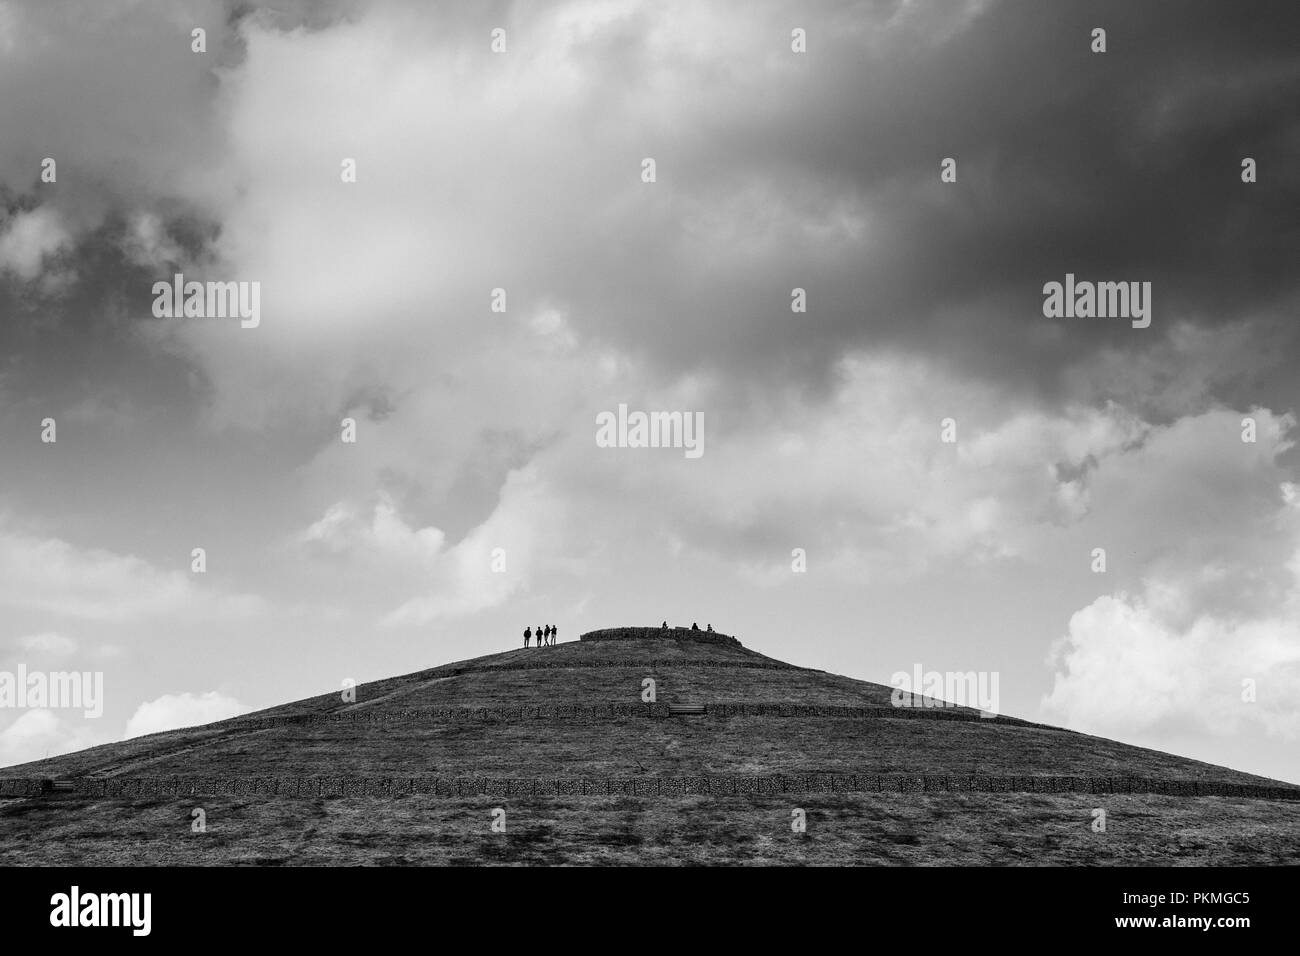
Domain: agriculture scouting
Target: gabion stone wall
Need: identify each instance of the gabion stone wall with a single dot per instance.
(651, 787)
(621, 710)
(641, 633)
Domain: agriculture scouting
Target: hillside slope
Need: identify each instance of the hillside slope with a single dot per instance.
(586, 771)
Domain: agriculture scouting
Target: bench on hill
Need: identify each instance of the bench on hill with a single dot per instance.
(686, 710)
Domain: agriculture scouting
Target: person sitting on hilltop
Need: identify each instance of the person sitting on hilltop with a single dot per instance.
(710, 628)
(528, 635)
(663, 626)
(694, 626)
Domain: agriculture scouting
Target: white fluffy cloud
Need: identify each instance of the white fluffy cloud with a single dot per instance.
(28, 238)
(1217, 603)
(172, 711)
(1126, 669)
(429, 579)
(37, 734)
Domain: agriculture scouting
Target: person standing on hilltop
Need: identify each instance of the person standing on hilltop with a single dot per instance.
(528, 635)
(539, 635)
(554, 631)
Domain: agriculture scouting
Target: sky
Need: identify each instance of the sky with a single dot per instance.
(476, 500)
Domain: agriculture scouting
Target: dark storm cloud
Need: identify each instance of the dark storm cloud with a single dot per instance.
(1116, 166)
(820, 171)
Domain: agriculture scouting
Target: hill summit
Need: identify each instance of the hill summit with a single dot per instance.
(634, 745)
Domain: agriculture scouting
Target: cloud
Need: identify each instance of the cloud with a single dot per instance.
(379, 282)
(147, 244)
(27, 239)
(56, 577)
(1216, 536)
(37, 734)
(1125, 669)
(861, 477)
(439, 580)
(383, 538)
(85, 91)
(48, 644)
(173, 711)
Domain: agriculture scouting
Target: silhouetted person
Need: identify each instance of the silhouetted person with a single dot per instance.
(528, 635)
(554, 632)
(539, 635)
(694, 626)
(710, 628)
(548, 633)
(663, 626)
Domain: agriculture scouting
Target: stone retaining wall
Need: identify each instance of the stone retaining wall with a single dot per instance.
(541, 662)
(617, 710)
(643, 633)
(390, 786)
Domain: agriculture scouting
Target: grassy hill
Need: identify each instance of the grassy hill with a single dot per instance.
(587, 772)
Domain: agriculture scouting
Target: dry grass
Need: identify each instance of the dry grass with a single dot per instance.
(874, 829)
